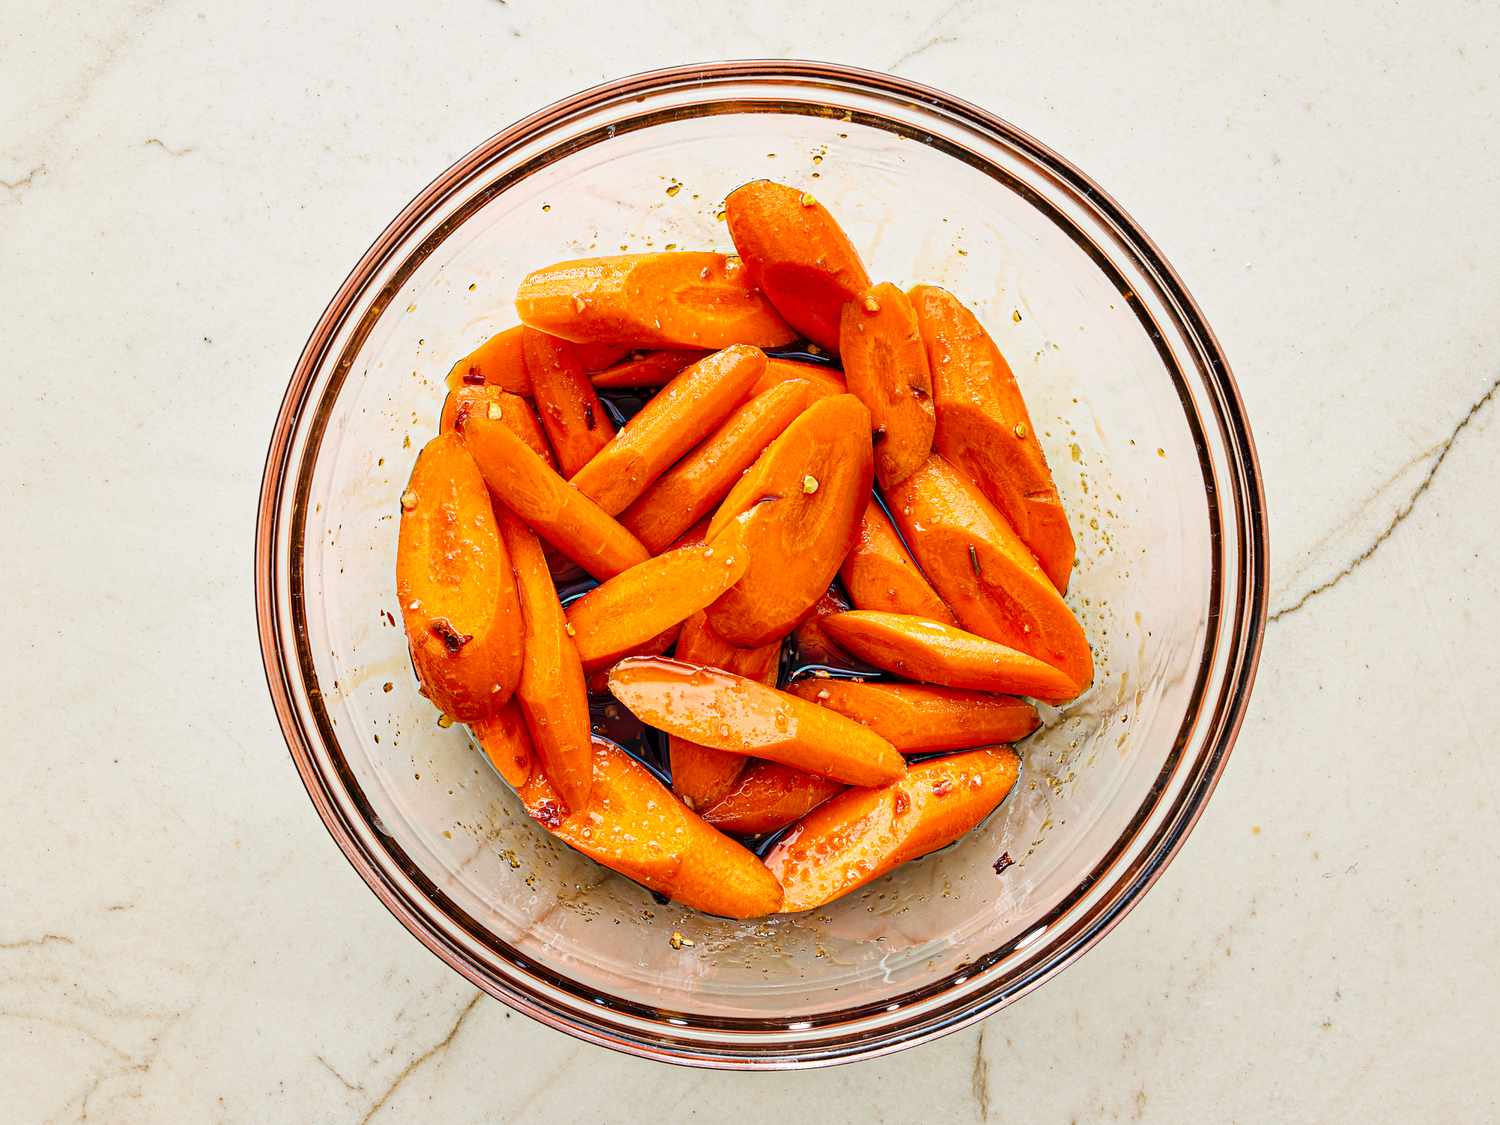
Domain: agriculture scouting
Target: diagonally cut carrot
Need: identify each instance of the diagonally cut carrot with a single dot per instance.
(558, 512)
(686, 409)
(885, 364)
(600, 357)
(496, 403)
(811, 645)
(506, 742)
(729, 712)
(687, 299)
(453, 576)
(499, 362)
(577, 425)
(768, 796)
(879, 573)
(649, 369)
(825, 380)
(916, 719)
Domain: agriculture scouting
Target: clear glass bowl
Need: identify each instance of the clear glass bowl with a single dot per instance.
(1144, 429)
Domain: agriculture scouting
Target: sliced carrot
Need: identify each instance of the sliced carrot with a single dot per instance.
(862, 834)
(576, 423)
(811, 645)
(453, 576)
(688, 299)
(499, 362)
(916, 719)
(983, 571)
(557, 511)
(515, 411)
(504, 739)
(600, 357)
(879, 573)
(633, 825)
(551, 692)
(797, 254)
(807, 491)
(825, 380)
(638, 604)
(649, 369)
(983, 428)
(768, 796)
(885, 364)
(729, 712)
(934, 653)
(688, 491)
(686, 410)
(597, 680)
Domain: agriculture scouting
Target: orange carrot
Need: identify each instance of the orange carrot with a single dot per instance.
(688, 491)
(797, 254)
(597, 680)
(807, 491)
(812, 645)
(729, 712)
(885, 364)
(983, 570)
(880, 574)
(453, 576)
(825, 380)
(494, 402)
(768, 796)
(504, 739)
(576, 424)
(600, 357)
(649, 369)
(559, 513)
(935, 653)
(634, 825)
(552, 693)
(917, 719)
(686, 409)
(984, 430)
(861, 834)
(498, 362)
(686, 299)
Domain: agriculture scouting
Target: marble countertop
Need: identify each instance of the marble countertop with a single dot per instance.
(182, 186)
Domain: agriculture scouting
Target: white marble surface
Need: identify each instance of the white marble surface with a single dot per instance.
(184, 185)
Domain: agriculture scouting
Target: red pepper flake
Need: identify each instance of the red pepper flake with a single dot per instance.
(461, 416)
(474, 377)
(877, 435)
(588, 415)
(547, 814)
(900, 802)
(1003, 862)
(942, 788)
(443, 630)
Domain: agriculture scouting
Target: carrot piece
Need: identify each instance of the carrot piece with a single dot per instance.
(688, 491)
(879, 573)
(687, 299)
(453, 576)
(702, 774)
(551, 692)
(807, 491)
(768, 796)
(983, 571)
(728, 712)
(917, 719)
(598, 679)
(811, 645)
(650, 369)
(576, 424)
(504, 739)
(558, 512)
(797, 254)
(600, 357)
(687, 409)
(633, 825)
(825, 380)
(515, 411)
(498, 362)
(861, 834)
(638, 604)
(935, 653)
(885, 364)
(984, 430)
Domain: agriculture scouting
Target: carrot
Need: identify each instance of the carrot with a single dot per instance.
(650, 369)
(879, 573)
(638, 604)
(633, 825)
(600, 357)
(510, 408)
(983, 571)
(499, 362)
(702, 774)
(807, 491)
(688, 491)
(552, 693)
(825, 380)
(811, 645)
(797, 254)
(597, 680)
(576, 424)
(503, 737)
(688, 299)
(768, 796)
(984, 430)
(453, 576)
(729, 712)
(885, 364)
(918, 719)
(559, 513)
(686, 410)
(934, 653)
(859, 835)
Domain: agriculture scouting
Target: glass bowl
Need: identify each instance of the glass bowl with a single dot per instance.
(1145, 432)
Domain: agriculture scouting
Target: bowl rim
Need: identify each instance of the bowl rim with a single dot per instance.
(1243, 645)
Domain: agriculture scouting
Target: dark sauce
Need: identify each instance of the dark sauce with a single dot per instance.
(800, 353)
